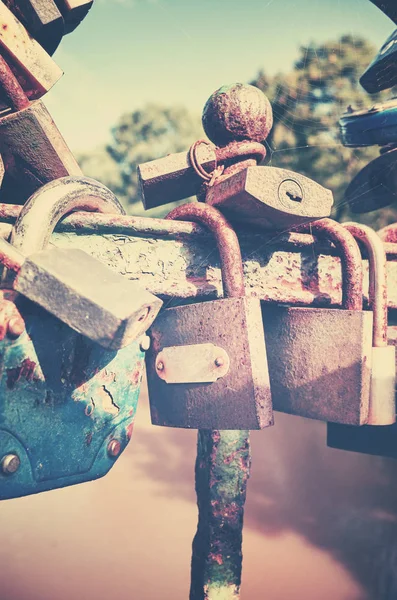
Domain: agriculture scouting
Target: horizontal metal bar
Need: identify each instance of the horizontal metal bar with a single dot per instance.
(179, 260)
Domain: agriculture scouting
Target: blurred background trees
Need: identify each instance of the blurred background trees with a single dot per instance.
(307, 104)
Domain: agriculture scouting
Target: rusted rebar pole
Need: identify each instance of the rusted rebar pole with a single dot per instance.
(222, 471)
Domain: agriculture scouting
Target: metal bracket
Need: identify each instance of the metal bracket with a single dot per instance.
(196, 363)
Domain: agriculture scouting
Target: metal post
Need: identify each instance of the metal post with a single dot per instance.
(222, 471)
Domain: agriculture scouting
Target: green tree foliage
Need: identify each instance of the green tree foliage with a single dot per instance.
(307, 104)
(138, 137)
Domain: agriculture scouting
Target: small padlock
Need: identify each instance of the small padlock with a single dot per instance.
(70, 284)
(374, 438)
(320, 358)
(35, 69)
(237, 119)
(33, 150)
(42, 19)
(207, 365)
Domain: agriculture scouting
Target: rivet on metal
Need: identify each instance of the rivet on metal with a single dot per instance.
(160, 366)
(219, 362)
(114, 448)
(16, 327)
(10, 464)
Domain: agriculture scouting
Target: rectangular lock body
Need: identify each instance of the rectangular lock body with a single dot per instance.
(88, 296)
(270, 198)
(374, 440)
(38, 72)
(33, 149)
(240, 399)
(42, 19)
(379, 440)
(320, 362)
(173, 178)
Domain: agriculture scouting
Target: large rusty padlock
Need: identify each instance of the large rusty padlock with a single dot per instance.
(320, 358)
(67, 405)
(379, 437)
(207, 365)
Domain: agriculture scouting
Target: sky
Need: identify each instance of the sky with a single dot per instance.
(128, 53)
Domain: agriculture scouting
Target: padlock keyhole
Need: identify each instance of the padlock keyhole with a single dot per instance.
(294, 197)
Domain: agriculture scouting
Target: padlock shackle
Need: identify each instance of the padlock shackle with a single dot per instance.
(377, 278)
(352, 282)
(11, 87)
(44, 209)
(388, 234)
(226, 239)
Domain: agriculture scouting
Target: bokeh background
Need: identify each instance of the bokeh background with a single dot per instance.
(319, 523)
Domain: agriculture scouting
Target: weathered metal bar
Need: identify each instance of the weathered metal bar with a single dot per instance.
(222, 472)
(180, 260)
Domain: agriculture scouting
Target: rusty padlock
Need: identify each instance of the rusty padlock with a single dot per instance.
(320, 358)
(42, 19)
(237, 119)
(379, 437)
(67, 405)
(382, 409)
(33, 150)
(35, 69)
(207, 364)
(70, 284)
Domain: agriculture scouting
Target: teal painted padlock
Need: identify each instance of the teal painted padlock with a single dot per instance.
(67, 404)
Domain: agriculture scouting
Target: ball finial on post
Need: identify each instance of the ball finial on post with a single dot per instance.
(237, 112)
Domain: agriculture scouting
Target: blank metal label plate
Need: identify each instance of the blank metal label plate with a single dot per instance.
(197, 363)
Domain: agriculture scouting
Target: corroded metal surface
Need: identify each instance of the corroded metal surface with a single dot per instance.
(11, 87)
(180, 260)
(226, 240)
(222, 471)
(270, 198)
(223, 458)
(42, 19)
(377, 278)
(352, 284)
(33, 150)
(62, 403)
(237, 112)
(323, 353)
(80, 290)
(241, 398)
